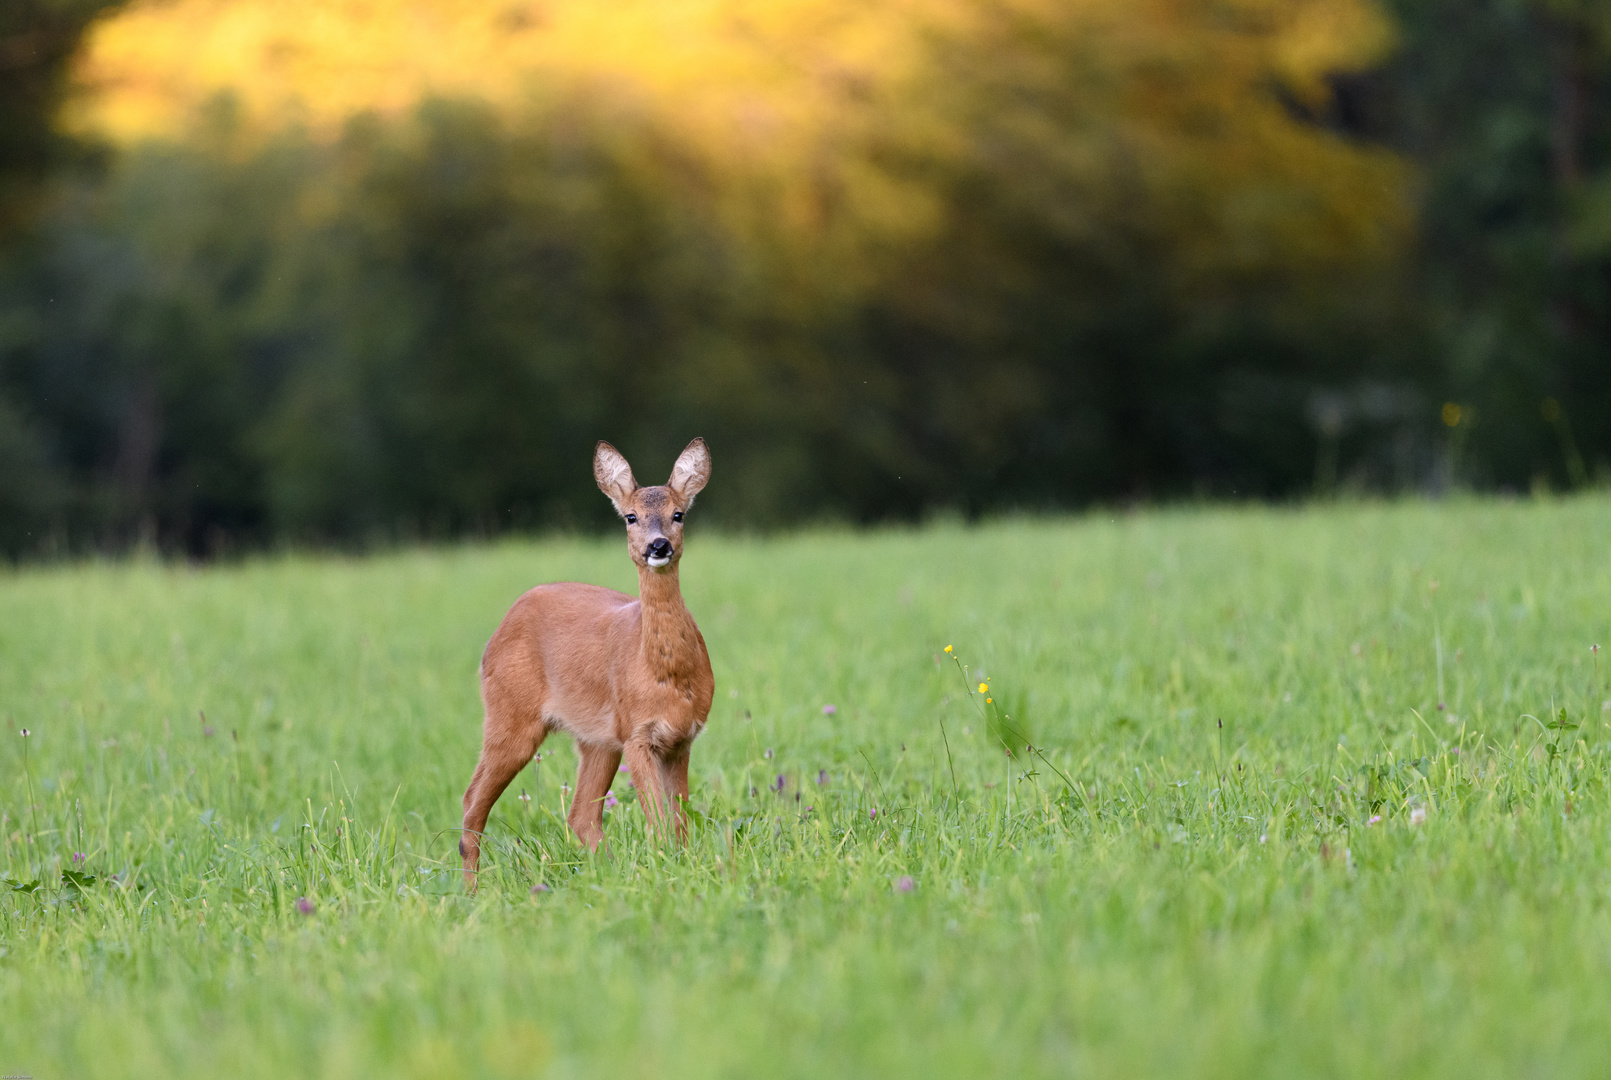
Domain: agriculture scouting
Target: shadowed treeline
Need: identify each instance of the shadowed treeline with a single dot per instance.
(1024, 253)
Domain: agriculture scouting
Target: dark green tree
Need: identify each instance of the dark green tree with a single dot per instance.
(1505, 106)
(38, 40)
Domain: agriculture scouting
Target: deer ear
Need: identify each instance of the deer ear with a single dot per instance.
(692, 471)
(614, 475)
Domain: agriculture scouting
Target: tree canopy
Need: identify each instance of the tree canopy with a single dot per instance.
(382, 269)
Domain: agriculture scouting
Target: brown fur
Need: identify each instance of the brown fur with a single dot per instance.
(624, 677)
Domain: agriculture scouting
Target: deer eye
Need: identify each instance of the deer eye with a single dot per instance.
(676, 515)
(632, 519)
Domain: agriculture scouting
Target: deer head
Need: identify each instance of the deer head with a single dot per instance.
(653, 515)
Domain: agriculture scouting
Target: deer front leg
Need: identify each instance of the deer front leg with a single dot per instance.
(648, 776)
(594, 775)
(675, 775)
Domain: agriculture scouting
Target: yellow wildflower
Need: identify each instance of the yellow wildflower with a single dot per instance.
(948, 648)
(990, 701)
(983, 687)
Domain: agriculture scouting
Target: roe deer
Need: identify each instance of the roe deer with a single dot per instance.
(622, 676)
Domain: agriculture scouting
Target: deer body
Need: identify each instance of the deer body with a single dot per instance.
(625, 677)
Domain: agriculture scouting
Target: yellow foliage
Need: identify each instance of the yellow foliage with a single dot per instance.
(1166, 119)
(1163, 113)
(745, 68)
(756, 88)
(750, 68)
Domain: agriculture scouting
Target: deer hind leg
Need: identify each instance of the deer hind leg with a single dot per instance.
(594, 775)
(510, 738)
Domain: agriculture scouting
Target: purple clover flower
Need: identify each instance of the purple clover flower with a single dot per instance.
(610, 801)
(904, 883)
(306, 906)
(829, 710)
(78, 858)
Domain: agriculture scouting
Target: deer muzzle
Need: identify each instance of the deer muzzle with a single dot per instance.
(658, 553)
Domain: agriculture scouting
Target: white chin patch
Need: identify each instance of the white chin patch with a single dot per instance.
(657, 563)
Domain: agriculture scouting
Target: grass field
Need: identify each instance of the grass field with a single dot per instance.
(1384, 863)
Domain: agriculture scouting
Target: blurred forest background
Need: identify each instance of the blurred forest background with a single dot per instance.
(339, 271)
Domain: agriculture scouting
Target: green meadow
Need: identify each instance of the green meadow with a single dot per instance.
(1306, 792)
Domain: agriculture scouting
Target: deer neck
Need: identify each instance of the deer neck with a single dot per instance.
(670, 639)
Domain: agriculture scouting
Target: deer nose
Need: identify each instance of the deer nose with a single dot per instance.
(659, 548)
